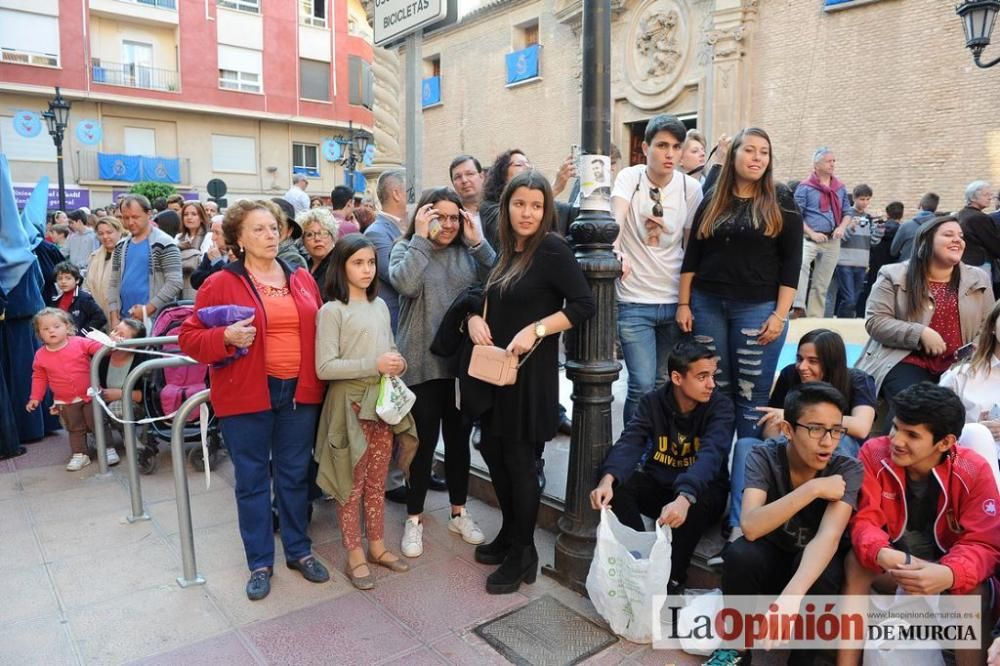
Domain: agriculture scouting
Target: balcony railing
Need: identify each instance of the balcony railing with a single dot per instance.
(28, 57)
(136, 168)
(132, 75)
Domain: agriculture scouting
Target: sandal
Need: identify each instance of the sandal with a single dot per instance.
(397, 565)
(361, 582)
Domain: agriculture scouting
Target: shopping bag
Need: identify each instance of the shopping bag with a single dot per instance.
(395, 400)
(699, 603)
(879, 653)
(629, 568)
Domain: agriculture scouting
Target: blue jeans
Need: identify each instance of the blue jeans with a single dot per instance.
(746, 369)
(851, 285)
(848, 446)
(647, 334)
(283, 435)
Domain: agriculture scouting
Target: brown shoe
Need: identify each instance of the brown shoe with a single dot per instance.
(397, 565)
(361, 582)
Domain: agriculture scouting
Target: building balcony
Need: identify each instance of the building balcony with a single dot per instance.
(141, 11)
(130, 75)
(102, 168)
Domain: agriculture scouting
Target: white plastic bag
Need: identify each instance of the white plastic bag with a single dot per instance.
(699, 603)
(628, 569)
(878, 654)
(395, 400)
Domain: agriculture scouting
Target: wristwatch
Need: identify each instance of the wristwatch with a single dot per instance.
(540, 330)
(688, 496)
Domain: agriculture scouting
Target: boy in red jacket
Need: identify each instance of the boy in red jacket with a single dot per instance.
(927, 514)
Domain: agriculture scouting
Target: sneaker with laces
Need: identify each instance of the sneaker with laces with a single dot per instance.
(464, 525)
(78, 462)
(113, 458)
(728, 658)
(413, 538)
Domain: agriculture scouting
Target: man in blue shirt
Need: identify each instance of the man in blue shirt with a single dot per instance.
(822, 199)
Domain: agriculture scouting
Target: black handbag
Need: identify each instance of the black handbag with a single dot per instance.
(452, 333)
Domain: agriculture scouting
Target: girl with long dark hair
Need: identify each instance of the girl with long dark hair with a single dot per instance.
(535, 291)
(440, 256)
(922, 311)
(740, 272)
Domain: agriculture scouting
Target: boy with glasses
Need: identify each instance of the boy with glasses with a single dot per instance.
(798, 499)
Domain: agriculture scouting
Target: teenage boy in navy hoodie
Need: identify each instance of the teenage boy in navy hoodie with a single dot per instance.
(685, 431)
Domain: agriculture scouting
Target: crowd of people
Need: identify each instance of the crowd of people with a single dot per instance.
(839, 474)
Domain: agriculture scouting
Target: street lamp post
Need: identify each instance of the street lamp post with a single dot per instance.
(978, 18)
(590, 361)
(57, 117)
(357, 144)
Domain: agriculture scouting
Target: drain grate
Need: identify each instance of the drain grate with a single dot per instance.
(545, 632)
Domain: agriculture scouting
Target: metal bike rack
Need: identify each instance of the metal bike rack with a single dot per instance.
(184, 526)
(100, 434)
(128, 415)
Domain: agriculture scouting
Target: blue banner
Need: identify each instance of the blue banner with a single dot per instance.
(114, 166)
(431, 91)
(27, 124)
(523, 65)
(369, 154)
(89, 132)
(360, 184)
(331, 150)
(161, 169)
(306, 171)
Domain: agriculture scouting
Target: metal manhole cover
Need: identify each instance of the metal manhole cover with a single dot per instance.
(545, 633)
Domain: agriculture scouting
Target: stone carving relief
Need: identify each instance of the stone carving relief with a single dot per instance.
(658, 43)
(726, 43)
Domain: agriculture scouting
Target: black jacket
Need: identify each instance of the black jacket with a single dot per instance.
(663, 434)
(205, 268)
(85, 311)
(982, 236)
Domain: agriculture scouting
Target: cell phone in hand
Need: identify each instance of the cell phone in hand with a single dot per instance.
(965, 352)
(435, 226)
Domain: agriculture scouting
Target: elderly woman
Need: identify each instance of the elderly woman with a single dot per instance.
(267, 399)
(109, 232)
(319, 233)
(191, 241)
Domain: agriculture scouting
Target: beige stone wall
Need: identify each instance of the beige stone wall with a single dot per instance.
(480, 115)
(888, 85)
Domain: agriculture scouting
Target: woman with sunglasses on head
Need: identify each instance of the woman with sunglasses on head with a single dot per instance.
(440, 256)
(922, 311)
(535, 291)
(740, 272)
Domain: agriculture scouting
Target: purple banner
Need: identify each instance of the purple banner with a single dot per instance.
(75, 196)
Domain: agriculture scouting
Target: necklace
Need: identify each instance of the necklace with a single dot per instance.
(269, 290)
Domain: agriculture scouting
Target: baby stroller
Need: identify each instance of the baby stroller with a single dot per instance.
(166, 390)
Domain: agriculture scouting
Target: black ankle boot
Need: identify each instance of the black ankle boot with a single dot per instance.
(494, 552)
(520, 566)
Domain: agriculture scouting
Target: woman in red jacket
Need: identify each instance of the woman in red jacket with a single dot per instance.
(268, 400)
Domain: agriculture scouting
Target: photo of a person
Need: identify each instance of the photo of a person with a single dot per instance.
(596, 179)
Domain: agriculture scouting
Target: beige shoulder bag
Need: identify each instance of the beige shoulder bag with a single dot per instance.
(494, 365)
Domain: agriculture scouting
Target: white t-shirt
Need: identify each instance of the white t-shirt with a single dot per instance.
(656, 270)
(979, 392)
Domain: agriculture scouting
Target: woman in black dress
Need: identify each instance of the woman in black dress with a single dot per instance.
(535, 291)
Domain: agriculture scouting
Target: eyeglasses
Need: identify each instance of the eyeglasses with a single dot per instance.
(311, 235)
(817, 432)
(654, 194)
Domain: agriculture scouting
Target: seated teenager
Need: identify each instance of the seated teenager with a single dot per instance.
(820, 357)
(683, 482)
(977, 384)
(796, 506)
(927, 516)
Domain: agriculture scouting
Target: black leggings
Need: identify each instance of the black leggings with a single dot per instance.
(434, 412)
(515, 480)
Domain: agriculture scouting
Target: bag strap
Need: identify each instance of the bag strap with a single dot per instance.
(531, 351)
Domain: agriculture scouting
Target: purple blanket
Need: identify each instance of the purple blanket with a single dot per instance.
(223, 315)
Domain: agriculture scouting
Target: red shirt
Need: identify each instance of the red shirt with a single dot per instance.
(66, 371)
(66, 300)
(945, 320)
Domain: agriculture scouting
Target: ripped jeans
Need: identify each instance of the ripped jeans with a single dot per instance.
(746, 368)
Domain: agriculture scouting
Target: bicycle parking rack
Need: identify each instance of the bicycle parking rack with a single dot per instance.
(128, 414)
(184, 526)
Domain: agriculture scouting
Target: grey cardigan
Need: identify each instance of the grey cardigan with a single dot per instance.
(893, 338)
(428, 281)
(165, 279)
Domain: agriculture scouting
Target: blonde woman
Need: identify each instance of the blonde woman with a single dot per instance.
(319, 233)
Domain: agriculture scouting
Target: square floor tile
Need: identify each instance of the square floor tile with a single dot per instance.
(27, 594)
(223, 649)
(207, 509)
(452, 596)
(43, 641)
(347, 630)
(144, 623)
(90, 497)
(90, 534)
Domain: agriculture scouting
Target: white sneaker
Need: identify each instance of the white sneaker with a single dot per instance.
(413, 538)
(78, 462)
(464, 524)
(113, 458)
